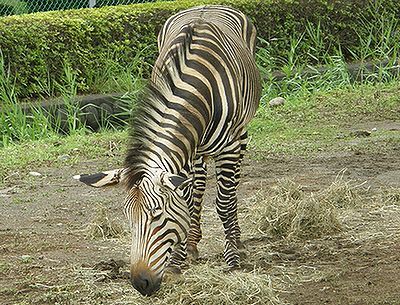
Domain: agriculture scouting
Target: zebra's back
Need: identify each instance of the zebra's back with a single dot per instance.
(206, 63)
(224, 17)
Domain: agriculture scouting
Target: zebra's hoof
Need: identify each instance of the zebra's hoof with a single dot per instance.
(243, 252)
(240, 245)
(231, 269)
(173, 270)
(193, 253)
(172, 275)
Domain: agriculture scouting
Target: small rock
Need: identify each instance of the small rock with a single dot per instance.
(7, 191)
(361, 133)
(111, 264)
(64, 157)
(101, 278)
(277, 102)
(26, 258)
(35, 174)
(110, 269)
(374, 129)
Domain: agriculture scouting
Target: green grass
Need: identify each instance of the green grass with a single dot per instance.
(15, 124)
(321, 107)
(304, 125)
(31, 155)
(18, 124)
(322, 120)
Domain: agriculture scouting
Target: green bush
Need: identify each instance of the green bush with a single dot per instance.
(36, 47)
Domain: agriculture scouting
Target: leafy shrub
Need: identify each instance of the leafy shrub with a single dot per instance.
(37, 46)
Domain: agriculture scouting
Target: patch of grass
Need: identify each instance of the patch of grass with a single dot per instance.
(15, 124)
(300, 127)
(19, 124)
(18, 158)
(312, 123)
(117, 77)
(71, 111)
(323, 102)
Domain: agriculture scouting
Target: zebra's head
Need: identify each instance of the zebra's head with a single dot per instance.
(159, 219)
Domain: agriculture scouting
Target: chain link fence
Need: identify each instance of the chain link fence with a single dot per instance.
(16, 7)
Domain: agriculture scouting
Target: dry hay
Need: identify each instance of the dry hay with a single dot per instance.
(341, 193)
(288, 190)
(390, 196)
(200, 284)
(288, 212)
(204, 284)
(104, 227)
(314, 218)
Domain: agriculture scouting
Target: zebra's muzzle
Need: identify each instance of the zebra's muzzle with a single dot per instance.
(145, 282)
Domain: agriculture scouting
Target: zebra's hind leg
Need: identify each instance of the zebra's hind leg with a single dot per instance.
(199, 185)
(227, 169)
(243, 146)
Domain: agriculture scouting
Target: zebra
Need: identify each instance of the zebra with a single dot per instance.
(204, 89)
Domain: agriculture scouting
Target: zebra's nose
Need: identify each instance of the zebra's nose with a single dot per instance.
(145, 283)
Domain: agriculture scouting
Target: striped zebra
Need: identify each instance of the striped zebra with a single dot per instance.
(204, 90)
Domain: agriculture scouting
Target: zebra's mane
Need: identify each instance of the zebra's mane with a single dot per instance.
(152, 103)
(143, 115)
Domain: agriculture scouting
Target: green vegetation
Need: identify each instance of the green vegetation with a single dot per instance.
(36, 46)
(32, 122)
(15, 159)
(321, 107)
(314, 122)
(308, 124)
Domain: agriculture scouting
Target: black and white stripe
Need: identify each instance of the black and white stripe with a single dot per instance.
(205, 89)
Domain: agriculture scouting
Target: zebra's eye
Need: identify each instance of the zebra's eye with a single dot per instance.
(155, 212)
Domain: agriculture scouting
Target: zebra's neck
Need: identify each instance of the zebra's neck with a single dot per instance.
(163, 135)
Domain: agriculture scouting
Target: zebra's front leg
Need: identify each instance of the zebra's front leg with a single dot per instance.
(226, 169)
(178, 256)
(199, 185)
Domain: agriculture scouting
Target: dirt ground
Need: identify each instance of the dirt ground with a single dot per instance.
(48, 257)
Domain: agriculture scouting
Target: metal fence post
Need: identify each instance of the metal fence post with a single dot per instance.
(92, 3)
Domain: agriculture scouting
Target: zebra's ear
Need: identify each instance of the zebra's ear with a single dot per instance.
(174, 182)
(101, 179)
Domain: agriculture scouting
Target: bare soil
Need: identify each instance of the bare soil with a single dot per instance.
(48, 255)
